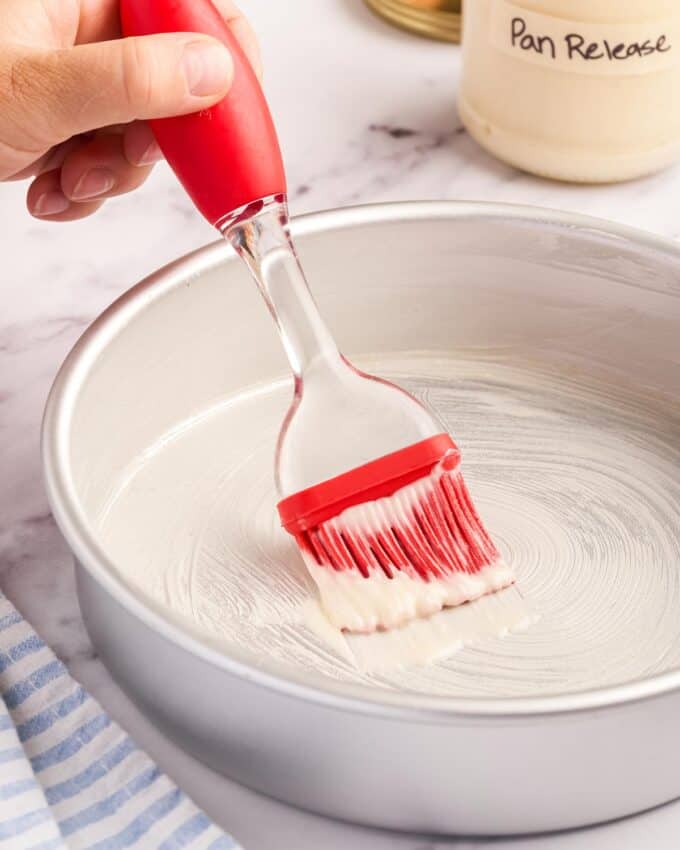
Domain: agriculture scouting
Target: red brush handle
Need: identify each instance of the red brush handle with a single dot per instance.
(228, 155)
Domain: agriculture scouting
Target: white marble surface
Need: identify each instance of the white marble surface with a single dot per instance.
(365, 113)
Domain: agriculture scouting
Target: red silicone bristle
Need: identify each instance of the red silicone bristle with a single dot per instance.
(428, 530)
(395, 539)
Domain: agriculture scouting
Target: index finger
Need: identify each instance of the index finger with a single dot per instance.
(100, 21)
(240, 26)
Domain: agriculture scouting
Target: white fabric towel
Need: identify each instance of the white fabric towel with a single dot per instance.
(70, 778)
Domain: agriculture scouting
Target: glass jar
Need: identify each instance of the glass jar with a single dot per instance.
(579, 90)
(438, 19)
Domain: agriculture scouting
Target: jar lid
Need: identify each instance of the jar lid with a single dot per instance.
(440, 19)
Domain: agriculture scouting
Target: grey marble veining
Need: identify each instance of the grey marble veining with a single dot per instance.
(366, 113)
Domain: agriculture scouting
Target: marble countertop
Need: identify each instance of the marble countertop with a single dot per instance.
(365, 113)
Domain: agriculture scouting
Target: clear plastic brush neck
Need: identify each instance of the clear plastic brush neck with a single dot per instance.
(260, 234)
(339, 418)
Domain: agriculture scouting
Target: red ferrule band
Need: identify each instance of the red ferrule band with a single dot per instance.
(375, 480)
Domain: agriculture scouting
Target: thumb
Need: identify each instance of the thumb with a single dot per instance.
(56, 94)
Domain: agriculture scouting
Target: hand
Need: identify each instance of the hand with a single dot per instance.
(74, 96)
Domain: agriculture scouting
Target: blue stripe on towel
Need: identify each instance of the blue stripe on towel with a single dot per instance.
(141, 824)
(50, 715)
(22, 690)
(70, 745)
(17, 826)
(106, 807)
(223, 843)
(20, 786)
(5, 722)
(100, 767)
(20, 650)
(11, 754)
(10, 619)
(186, 833)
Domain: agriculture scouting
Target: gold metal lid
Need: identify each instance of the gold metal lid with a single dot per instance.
(432, 18)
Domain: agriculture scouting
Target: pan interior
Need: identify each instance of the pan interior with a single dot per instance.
(577, 478)
(549, 350)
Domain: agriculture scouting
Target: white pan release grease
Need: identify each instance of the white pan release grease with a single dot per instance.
(574, 479)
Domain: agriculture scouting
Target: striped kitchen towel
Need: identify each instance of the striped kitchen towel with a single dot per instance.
(70, 778)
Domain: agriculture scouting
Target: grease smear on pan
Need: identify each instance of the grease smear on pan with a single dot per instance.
(577, 481)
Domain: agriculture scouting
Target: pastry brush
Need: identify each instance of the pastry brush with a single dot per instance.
(369, 481)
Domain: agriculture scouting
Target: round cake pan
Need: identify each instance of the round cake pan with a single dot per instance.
(571, 723)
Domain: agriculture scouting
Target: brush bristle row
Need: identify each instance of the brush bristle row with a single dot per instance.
(428, 530)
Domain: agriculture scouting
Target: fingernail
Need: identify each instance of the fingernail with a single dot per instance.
(93, 183)
(207, 68)
(51, 203)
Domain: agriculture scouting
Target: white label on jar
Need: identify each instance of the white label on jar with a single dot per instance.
(584, 47)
